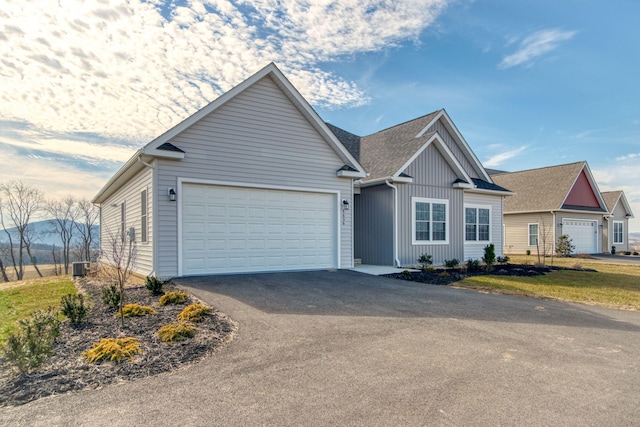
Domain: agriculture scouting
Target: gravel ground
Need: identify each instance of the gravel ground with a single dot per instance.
(66, 370)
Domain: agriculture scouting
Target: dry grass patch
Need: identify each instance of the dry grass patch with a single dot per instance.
(619, 290)
(19, 299)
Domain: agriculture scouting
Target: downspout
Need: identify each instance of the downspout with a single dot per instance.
(395, 223)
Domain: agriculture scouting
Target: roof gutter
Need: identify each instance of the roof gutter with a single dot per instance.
(395, 222)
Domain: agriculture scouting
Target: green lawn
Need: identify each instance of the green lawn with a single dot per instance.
(614, 285)
(19, 299)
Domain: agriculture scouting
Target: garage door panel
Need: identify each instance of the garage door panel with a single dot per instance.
(583, 235)
(248, 229)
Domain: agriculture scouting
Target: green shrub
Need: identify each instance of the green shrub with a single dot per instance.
(613, 250)
(452, 263)
(473, 265)
(113, 349)
(75, 308)
(564, 246)
(32, 342)
(136, 310)
(154, 285)
(627, 252)
(174, 297)
(425, 261)
(406, 273)
(111, 295)
(194, 313)
(174, 332)
(503, 260)
(528, 252)
(489, 257)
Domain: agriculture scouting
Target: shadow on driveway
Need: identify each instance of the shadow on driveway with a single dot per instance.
(349, 293)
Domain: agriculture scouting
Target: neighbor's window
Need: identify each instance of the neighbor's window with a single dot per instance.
(143, 216)
(430, 221)
(477, 224)
(618, 232)
(533, 234)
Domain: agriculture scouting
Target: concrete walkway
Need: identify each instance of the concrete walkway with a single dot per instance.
(344, 348)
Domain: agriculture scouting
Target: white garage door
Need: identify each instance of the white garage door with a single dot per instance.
(584, 235)
(238, 230)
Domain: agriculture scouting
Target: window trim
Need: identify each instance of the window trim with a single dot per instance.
(144, 216)
(445, 202)
(621, 242)
(476, 207)
(537, 224)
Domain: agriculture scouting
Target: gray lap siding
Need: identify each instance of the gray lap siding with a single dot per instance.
(258, 138)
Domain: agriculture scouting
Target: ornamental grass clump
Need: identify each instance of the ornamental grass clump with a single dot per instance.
(174, 297)
(136, 310)
(194, 313)
(113, 349)
(175, 332)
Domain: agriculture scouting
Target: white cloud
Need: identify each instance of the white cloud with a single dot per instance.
(121, 69)
(630, 156)
(534, 46)
(500, 158)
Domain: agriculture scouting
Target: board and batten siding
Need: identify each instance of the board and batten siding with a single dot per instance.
(257, 138)
(469, 166)
(130, 195)
(373, 222)
(475, 250)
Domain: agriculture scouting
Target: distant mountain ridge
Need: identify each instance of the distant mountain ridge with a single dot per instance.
(44, 232)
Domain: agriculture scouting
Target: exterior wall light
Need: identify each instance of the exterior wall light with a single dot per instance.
(172, 194)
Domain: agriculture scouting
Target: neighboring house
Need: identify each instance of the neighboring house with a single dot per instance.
(256, 181)
(426, 193)
(615, 231)
(557, 200)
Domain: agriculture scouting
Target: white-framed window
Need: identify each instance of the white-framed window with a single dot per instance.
(143, 216)
(477, 223)
(430, 223)
(533, 234)
(618, 232)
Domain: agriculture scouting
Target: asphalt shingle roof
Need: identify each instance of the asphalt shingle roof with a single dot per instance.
(610, 199)
(538, 189)
(383, 153)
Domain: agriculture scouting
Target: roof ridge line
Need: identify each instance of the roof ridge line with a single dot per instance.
(405, 122)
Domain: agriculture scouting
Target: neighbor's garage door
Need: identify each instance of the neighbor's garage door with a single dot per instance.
(238, 230)
(583, 235)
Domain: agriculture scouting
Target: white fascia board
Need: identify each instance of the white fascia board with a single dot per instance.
(378, 181)
(446, 153)
(486, 191)
(463, 185)
(351, 174)
(453, 129)
(625, 203)
(124, 171)
(165, 154)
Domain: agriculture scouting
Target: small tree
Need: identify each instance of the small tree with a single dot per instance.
(489, 257)
(425, 261)
(564, 246)
(118, 262)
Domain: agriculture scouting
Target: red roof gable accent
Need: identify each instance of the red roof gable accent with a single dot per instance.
(581, 194)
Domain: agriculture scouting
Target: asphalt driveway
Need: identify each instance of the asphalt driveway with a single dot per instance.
(344, 348)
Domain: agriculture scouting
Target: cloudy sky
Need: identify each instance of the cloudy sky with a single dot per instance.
(83, 84)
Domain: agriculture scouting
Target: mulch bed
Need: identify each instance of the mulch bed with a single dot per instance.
(66, 370)
(442, 276)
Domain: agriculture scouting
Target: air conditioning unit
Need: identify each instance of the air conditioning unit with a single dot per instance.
(79, 269)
